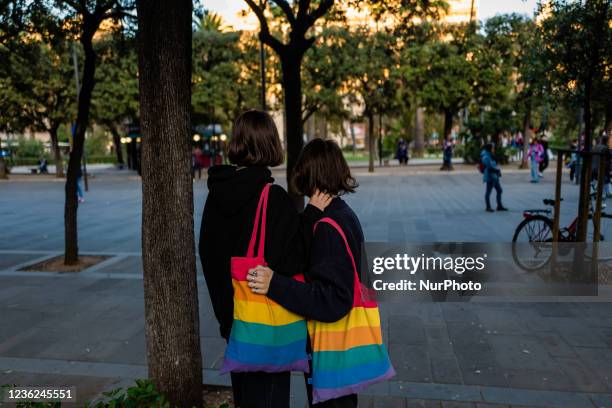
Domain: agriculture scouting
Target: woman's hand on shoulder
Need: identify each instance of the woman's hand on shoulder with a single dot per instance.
(320, 200)
(259, 279)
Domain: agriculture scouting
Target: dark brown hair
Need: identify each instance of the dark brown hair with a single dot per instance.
(322, 166)
(255, 141)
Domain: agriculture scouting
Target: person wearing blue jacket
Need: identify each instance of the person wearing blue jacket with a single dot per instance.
(490, 176)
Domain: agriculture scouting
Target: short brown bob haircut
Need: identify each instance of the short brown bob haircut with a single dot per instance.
(255, 141)
(321, 165)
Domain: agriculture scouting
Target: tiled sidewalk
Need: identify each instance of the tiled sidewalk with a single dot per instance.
(90, 326)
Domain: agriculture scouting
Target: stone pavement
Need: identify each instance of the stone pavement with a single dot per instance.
(88, 328)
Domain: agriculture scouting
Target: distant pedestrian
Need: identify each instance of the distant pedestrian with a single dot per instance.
(544, 163)
(402, 152)
(42, 166)
(535, 154)
(80, 194)
(447, 155)
(491, 175)
(197, 158)
(573, 159)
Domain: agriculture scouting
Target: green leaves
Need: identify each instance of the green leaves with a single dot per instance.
(225, 77)
(38, 86)
(115, 98)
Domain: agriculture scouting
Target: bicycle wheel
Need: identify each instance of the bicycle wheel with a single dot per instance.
(532, 243)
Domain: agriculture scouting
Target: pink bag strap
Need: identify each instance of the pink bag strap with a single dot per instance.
(327, 220)
(261, 212)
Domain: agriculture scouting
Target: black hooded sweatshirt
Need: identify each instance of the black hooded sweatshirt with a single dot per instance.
(226, 229)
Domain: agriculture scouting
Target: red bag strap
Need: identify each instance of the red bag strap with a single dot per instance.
(262, 207)
(357, 287)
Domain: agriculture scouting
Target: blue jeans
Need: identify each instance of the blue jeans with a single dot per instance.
(79, 188)
(534, 171)
(493, 184)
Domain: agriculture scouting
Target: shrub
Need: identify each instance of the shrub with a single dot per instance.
(29, 148)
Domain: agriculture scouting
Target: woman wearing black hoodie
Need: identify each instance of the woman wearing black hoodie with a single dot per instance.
(227, 222)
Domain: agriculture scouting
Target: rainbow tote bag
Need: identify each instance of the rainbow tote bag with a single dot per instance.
(348, 355)
(265, 336)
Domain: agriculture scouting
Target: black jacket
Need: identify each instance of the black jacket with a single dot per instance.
(226, 228)
(328, 294)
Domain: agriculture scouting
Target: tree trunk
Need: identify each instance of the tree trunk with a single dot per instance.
(419, 133)
(322, 126)
(526, 138)
(608, 124)
(353, 137)
(117, 143)
(57, 155)
(585, 171)
(371, 152)
(168, 245)
(3, 172)
(291, 61)
(71, 255)
(380, 141)
(310, 127)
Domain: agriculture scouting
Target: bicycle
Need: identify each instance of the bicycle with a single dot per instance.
(536, 230)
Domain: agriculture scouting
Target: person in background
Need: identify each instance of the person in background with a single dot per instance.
(196, 162)
(79, 186)
(402, 152)
(544, 163)
(42, 165)
(535, 157)
(490, 176)
(447, 155)
(573, 159)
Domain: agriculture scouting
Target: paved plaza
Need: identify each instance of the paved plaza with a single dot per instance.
(87, 328)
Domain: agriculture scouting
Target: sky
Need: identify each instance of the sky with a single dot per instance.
(486, 8)
(489, 8)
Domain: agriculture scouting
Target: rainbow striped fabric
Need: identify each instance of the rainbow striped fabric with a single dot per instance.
(265, 336)
(348, 355)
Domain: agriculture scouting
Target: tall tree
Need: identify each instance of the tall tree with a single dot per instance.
(410, 22)
(300, 16)
(15, 18)
(115, 97)
(515, 38)
(168, 244)
(84, 17)
(372, 79)
(225, 74)
(450, 76)
(577, 38)
(41, 80)
(326, 69)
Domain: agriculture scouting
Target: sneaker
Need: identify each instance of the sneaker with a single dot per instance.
(489, 210)
(501, 208)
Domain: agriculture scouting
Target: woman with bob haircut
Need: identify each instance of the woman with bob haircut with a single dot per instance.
(227, 222)
(327, 295)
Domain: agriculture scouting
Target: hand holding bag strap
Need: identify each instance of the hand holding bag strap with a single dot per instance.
(261, 205)
(334, 224)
